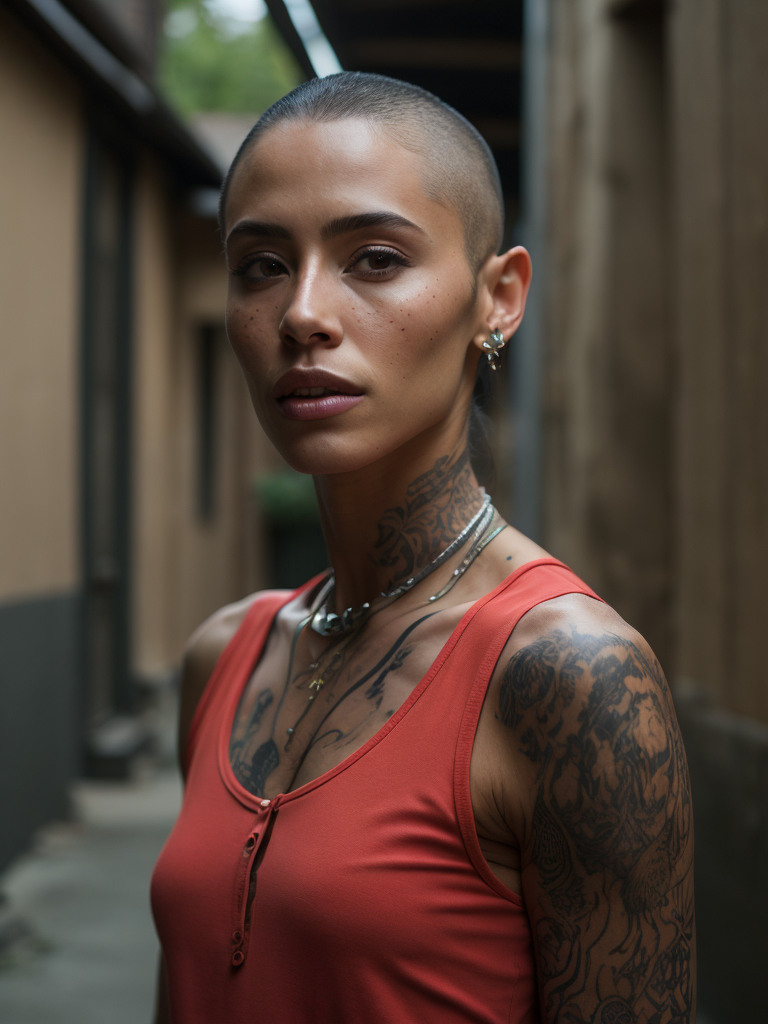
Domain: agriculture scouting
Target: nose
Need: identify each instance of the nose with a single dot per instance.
(311, 317)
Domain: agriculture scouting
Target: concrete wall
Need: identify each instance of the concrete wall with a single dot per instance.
(40, 736)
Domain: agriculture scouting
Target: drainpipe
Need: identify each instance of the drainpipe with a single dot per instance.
(527, 354)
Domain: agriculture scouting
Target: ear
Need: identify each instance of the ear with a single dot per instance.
(503, 284)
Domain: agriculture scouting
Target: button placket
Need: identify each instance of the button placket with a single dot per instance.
(246, 882)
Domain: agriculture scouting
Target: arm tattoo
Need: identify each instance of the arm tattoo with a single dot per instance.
(609, 882)
(438, 505)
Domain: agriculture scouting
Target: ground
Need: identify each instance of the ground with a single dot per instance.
(85, 950)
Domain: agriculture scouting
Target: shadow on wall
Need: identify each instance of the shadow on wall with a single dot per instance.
(728, 761)
(294, 544)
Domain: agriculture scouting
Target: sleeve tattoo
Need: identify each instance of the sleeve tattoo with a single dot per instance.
(608, 859)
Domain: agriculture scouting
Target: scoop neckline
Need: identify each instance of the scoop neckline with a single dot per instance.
(226, 770)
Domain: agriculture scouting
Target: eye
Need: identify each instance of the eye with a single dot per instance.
(260, 268)
(378, 262)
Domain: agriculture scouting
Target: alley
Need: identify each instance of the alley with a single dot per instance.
(86, 951)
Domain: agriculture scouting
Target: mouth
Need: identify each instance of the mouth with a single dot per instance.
(309, 394)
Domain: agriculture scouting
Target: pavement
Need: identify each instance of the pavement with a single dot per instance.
(82, 946)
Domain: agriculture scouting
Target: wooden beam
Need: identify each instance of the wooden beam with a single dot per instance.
(453, 54)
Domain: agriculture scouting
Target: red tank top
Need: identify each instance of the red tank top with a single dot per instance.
(373, 903)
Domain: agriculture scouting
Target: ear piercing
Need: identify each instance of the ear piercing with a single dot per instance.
(493, 347)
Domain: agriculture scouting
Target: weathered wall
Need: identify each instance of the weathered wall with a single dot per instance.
(39, 715)
(656, 419)
(607, 361)
(719, 53)
(185, 566)
(40, 169)
(728, 760)
(154, 470)
(219, 559)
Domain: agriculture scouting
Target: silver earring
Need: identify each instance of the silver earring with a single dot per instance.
(493, 347)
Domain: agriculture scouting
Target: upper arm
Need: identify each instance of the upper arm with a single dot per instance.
(607, 843)
(200, 656)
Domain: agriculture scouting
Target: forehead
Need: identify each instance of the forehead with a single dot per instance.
(307, 171)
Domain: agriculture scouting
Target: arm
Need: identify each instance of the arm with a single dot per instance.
(607, 835)
(200, 656)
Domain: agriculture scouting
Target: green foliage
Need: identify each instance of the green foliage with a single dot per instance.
(205, 65)
(287, 497)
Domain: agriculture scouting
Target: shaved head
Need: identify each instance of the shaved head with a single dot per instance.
(459, 169)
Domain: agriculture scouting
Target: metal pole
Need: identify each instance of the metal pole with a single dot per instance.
(527, 357)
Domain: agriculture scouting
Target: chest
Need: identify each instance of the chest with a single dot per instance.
(303, 711)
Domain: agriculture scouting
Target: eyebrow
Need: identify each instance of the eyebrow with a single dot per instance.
(339, 226)
(375, 219)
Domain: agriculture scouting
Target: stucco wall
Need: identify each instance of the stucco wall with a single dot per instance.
(154, 471)
(219, 560)
(41, 172)
(185, 566)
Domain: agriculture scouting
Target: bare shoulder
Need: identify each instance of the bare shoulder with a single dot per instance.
(601, 807)
(575, 680)
(201, 653)
(572, 656)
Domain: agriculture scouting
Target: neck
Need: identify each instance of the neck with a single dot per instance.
(385, 523)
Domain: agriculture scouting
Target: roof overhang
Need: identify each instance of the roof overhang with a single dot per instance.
(129, 95)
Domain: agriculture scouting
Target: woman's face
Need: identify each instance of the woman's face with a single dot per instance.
(351, 304)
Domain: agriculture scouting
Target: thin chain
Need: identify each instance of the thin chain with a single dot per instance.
(328, 623)
(480, 541)
(471, 556)
(444, 555)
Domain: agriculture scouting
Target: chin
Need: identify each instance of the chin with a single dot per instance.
(324, 456)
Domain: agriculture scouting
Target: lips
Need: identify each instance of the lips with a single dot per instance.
(309, 394)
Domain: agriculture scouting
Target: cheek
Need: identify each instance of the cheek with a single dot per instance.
(245, 327)
(421, 340)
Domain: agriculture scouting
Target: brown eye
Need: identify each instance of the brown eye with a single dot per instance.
(270, 268)
(379, 260)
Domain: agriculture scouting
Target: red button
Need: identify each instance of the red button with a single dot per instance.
(236, 937)
(237, 957)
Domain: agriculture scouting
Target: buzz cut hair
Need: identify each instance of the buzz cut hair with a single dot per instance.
(460, 170)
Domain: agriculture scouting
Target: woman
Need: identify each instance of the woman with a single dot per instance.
(442, 782)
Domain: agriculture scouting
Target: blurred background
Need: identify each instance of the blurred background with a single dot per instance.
(138, 494)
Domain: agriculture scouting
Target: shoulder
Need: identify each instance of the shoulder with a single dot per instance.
(583, 709)
(202, 651)
(598, 798)
(574, 649)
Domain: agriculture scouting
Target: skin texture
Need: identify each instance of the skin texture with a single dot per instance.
(578, 778)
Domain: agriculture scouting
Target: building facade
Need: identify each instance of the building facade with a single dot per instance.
(127, 442)
(653, 350)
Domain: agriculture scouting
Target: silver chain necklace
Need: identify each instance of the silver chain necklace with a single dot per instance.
(328, 623)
